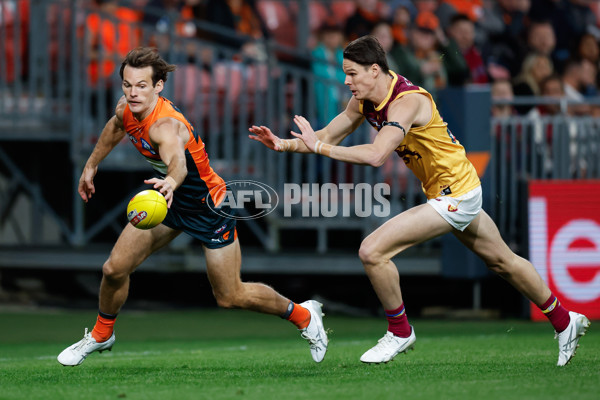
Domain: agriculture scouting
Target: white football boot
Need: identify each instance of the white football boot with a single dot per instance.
(76, 353)
(388, 347)
(568, 340)
(315, 333)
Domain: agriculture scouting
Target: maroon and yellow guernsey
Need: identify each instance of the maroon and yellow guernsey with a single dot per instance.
(431, 151)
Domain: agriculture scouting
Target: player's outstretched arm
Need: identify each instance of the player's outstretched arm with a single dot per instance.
(264, 135)
(111, 135)
(403, 112)
(340, 127)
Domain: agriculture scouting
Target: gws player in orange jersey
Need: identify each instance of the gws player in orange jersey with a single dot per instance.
(408, 122)
(163, 135)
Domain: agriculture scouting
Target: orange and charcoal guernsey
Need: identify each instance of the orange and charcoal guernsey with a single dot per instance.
(201, 186)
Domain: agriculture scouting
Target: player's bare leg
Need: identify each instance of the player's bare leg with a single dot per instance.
(413, 226)
(223, 268)
(483, 238)
(130, 250)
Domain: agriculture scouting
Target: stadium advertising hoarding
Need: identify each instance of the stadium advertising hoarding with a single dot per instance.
(564, 242)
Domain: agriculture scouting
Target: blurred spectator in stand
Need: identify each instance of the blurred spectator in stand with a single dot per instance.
(536, 68)
(241, 17)
(420, 62)
(443, 10)
(589, 85)
(490, 25)
(570, 19)
(469, 68)
(473, 9)
(15, 46)
(403, 12)
(161, 15)
(327, 59)
(426, 6)
(552, 87)
(589, 78)
(504, 47)
(502, 90)
(588, 48)
(383, 32)
(541, 38)
(580, 18)
(186, 27)
(489, 22)
(238, 15)
(112, 32)
(368, 13)
(572, 78)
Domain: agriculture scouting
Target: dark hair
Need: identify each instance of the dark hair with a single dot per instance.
(459, 18)
(550, 78)
(148, 57)
(367, 51)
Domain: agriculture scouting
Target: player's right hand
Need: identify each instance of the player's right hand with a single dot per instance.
(265, 136)
(86, 183)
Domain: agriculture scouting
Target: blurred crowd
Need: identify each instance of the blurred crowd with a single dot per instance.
(519, 47)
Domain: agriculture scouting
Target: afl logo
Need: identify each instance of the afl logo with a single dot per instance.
(132, 138)
(136, 217)
(243, 199)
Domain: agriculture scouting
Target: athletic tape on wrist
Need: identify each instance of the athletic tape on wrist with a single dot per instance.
(323, 148)
(288, 145)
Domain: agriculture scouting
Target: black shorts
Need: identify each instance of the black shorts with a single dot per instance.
(213, 230)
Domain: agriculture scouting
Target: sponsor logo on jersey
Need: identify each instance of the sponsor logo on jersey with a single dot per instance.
(405, 154)
(132, 138)
(374, 123)
(406, 81)
(445, 190)
(147, 146)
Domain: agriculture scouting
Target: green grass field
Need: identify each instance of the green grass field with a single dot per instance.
(221, 354)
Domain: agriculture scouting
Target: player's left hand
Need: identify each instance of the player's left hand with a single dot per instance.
(164, 186)
(308, 135)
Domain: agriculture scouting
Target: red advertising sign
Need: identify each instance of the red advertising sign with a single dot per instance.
(564, 242)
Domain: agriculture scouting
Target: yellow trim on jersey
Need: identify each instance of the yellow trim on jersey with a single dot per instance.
(431, 152)
(385, 101)
(434, 113)
(433, 107)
